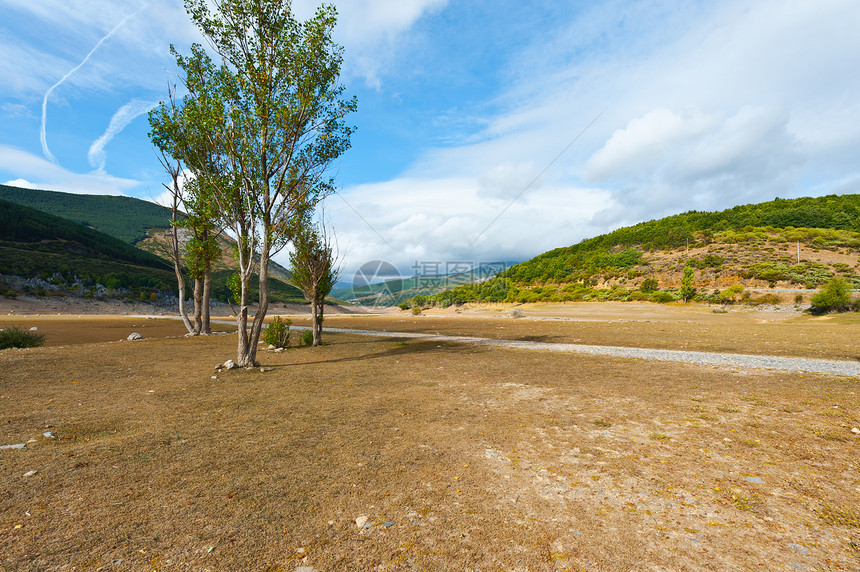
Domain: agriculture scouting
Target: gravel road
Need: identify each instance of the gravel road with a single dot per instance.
(809, 365)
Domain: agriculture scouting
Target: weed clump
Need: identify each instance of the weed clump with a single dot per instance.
(15, 338)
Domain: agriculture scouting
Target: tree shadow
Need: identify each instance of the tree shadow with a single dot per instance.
(404, 347)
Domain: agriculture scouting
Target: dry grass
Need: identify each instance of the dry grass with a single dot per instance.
(461, 457)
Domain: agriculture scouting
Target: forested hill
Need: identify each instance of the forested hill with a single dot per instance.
(125, 218)
(784, 243)
(24, 225)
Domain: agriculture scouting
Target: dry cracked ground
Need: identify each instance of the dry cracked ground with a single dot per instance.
(449, 456)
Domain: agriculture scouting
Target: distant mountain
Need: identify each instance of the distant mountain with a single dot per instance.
(784, 243)
(394, 292)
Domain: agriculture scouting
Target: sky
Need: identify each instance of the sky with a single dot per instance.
(487, 130)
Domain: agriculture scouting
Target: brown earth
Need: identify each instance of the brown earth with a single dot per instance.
(460, 457)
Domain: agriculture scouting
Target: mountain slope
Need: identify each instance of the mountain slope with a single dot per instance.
(37, 244)
(125, 218)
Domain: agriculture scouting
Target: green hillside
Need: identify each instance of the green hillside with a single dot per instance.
(753, 243)
(125, 218)
(37, 244)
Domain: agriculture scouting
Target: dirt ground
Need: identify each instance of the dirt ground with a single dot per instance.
(457, 457)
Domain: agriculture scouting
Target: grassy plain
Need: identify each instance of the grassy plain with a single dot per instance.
(460, 457)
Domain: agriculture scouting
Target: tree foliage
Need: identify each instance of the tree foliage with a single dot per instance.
(314, 271)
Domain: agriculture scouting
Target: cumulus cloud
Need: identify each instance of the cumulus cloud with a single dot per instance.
(408, 221)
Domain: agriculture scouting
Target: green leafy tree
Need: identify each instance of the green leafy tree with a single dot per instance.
(264, 126)
(314, 271)
(687, 291)
(835, 296)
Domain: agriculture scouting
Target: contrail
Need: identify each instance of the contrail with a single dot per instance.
(120, 120)
(44, 136)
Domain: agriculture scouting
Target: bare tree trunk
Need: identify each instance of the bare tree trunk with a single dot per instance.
(198, 306)
(263, 307)
(316, 321)
(207, 291)
(180, 282)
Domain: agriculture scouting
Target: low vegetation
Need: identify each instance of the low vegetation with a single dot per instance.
(12, 337)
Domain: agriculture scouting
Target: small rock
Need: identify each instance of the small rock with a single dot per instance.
(49, 435)
(799, 547)
(271, 347)
(359, 522)
(855, 430)
(278, 350)
(31, 440)
(15, 446)
(34, 329)
(305, 569)
(215, 377)
(30, 473)
(230, 364)
(388, 524)
(300, 550)
(756, 480)
(134, 336)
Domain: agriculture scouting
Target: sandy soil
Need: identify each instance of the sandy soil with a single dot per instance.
(452, 457)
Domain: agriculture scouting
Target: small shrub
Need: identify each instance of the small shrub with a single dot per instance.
(277, 333)
(798, 298)
(153, 297)
(403, 305)
(603, 423)
(648, 285)
(833, 297)
(662, 297)
(307, 337)
(15, 338)
(416, 310)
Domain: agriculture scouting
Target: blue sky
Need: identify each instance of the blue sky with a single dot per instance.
(487, 130)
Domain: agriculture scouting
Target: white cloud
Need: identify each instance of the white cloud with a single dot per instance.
(36, 172)
(409, 220)
(124, 115)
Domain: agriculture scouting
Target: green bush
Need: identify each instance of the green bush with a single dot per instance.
(649, 285)
(277, 333)
(307, 337)
(662, 297)
(15, 338)
(833, 297)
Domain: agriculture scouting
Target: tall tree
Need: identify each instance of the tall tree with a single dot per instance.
(314, 271)
(265, 125)
(173, 138)
(174, 168)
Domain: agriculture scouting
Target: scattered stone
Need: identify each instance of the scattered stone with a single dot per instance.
(230, 364)
(34, 329)
(30, 473)
(15, 446)
(855, 430)
(31, 440)
(359, 522)
(756, 480)
(279, 350)
(49, 435)
(215, 377)
(305, 569)
(300, 550)
(388, 524)
(134, 336)
(265, 369)
(799, 547)
(271, 347)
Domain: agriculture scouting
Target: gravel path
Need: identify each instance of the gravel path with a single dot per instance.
(810, 365)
